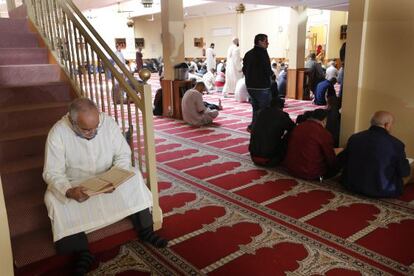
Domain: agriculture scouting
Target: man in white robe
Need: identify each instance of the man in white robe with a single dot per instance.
(211, 58)
(82, 144)
(209, 79)
(233, 68)
(193, 108)
(241, 94)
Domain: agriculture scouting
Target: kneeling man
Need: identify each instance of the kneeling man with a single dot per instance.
(194, 109)
(82, 144)
(374, 161)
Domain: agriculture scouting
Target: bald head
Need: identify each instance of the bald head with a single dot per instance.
(382, 119)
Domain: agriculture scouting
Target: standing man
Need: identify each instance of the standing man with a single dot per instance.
(257, 69)
(211, 58)
(119, 53)
(233, 68)
(138, 59)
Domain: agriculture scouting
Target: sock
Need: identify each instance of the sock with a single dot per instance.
(83, 263)
(148, 235)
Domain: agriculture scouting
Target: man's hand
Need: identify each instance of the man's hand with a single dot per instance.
(77, 193)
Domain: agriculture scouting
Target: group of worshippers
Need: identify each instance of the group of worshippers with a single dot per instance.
(223, 76)
(373, 163)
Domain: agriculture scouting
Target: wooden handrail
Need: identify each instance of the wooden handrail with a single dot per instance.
(86, 60)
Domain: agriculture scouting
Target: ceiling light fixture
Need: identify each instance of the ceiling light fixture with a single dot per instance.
(240, 8)
(147, 3)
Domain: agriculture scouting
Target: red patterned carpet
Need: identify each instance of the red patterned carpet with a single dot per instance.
(225, 216)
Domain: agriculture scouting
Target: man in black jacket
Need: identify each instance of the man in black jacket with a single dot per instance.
(257, 70)
(268, 141)
(374, 161)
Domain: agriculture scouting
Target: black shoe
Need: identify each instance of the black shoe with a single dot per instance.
(149, 236)
(83, 263)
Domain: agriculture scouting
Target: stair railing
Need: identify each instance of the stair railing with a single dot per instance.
(97, 73)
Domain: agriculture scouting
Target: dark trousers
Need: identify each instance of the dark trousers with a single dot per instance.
(260, 99)
(78, 242)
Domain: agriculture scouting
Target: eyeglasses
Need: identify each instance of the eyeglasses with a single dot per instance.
(87, 133)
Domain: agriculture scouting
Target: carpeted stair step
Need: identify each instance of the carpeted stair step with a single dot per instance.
(27, 212)
(18, 40)
(23, 181)
(19, 12)
(41, 247)
(13, 56)
(39, 94)
(17, 25)
(31, 74)
(28, 117)
(21, 144)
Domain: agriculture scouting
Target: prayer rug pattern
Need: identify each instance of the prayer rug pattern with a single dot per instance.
(225, 216)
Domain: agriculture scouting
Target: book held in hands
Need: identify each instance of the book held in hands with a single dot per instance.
(106, 181)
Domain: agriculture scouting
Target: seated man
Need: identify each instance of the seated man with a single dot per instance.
(209, 79)
(324, 89)
(268, 137)
(310, 153)
(220, 79)
(241, 94)
(193, 108)
(374, 161)
(82, 144)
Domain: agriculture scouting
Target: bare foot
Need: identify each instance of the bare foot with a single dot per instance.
(219, 105)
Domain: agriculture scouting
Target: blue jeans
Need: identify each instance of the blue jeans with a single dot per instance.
(259, 98)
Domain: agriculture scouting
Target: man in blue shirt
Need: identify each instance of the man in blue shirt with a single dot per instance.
(324, 89)
(374, 161)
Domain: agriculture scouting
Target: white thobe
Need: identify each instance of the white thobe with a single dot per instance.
(210, 59)
(120, 55)
(241, 94)
(233, 69)
(331, 72)
(208, 79)
(69, 159)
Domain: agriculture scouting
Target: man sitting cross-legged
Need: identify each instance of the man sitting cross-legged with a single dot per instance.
(195, 111)
(82, 144)
(268, 137)
(310, 154)
(374, 161)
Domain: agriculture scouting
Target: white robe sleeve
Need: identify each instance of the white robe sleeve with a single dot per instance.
(54, 167)
(122, 151)
(237, 60)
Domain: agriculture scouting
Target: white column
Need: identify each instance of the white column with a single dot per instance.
(297, 37)
(172, 28)
(240, 33)
(378, 67)
(11, 5)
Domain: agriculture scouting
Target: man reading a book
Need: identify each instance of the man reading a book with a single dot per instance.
(91, 182)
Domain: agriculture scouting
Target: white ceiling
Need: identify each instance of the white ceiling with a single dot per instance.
(341, 5)
(315, 4)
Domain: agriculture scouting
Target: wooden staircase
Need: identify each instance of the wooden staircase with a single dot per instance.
(32, 98)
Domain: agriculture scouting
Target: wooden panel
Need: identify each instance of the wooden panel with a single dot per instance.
(291, 84)
(167, 99)
(172, 93)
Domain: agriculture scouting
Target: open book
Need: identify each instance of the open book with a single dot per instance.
(106, 181)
